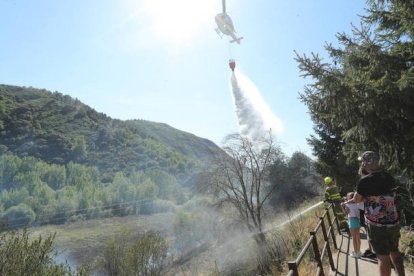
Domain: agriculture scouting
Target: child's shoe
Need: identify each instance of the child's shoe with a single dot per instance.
(354, 254)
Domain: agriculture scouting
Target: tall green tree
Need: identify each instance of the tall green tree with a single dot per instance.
(9, 166)
(363, 97)
(294, 180)
(55, 176)
(81, 176)
(147, 192)
(79, 149)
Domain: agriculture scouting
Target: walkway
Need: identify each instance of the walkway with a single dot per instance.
(356, 267)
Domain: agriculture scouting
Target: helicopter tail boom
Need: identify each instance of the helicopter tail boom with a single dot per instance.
(236, 39)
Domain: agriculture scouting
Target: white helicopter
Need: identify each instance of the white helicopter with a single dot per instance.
(225, 25)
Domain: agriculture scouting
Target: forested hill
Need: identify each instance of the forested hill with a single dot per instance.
(59, 129)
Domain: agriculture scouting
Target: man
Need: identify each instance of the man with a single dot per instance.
(332, 195)
(377, 190)
(368, 253)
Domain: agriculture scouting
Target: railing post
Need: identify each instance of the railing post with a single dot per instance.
(293, 267)
(331, 228)
(316, 251)
(319, 255)
(328, 247)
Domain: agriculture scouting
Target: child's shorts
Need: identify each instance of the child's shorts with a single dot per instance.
(354, 223)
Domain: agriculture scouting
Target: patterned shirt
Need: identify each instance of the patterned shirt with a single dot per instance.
(378, 191)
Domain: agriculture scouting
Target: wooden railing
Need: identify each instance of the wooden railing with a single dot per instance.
(326, 225)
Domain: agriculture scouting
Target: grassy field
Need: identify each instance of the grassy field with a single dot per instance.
(82, 242)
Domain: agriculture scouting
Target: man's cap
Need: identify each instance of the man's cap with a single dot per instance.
(369, 157)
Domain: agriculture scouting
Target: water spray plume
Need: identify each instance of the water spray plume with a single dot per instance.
(254, 116)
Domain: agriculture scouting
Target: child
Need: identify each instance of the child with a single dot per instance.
(352, 211)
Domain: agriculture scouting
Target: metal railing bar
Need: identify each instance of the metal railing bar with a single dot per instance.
(328, 233)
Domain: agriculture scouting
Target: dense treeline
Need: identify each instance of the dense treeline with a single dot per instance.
(35, 192)
(59, 129)
(363, 98)
(294, 181)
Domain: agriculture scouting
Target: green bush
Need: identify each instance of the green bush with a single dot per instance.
(407, 241)
(22, 256)
(147, 255)
(20, 215)
(144, 256)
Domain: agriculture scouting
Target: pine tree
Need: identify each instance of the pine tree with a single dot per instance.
(363, 98)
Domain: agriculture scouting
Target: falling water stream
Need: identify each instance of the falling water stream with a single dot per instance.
(255, 118)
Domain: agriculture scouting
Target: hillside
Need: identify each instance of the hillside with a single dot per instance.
(59, 129)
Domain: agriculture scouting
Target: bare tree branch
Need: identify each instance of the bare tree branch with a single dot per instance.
(241, 176)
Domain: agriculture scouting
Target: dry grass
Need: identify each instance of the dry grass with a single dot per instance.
(83, 241)
(296, 235)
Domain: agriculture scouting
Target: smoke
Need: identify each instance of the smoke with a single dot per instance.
(254, 116)
(219, 243)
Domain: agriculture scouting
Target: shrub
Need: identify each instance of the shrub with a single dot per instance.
(407, 242)
(144, 256)
(19, 216)
(147, 255)
(20, 255)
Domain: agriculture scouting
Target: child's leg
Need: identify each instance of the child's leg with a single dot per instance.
(356, 239)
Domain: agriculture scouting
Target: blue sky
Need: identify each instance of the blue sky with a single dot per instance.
(162, 61)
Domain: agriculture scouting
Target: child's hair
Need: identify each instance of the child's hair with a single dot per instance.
(350, 195)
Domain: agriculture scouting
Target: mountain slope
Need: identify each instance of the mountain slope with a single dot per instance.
(59, 129)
